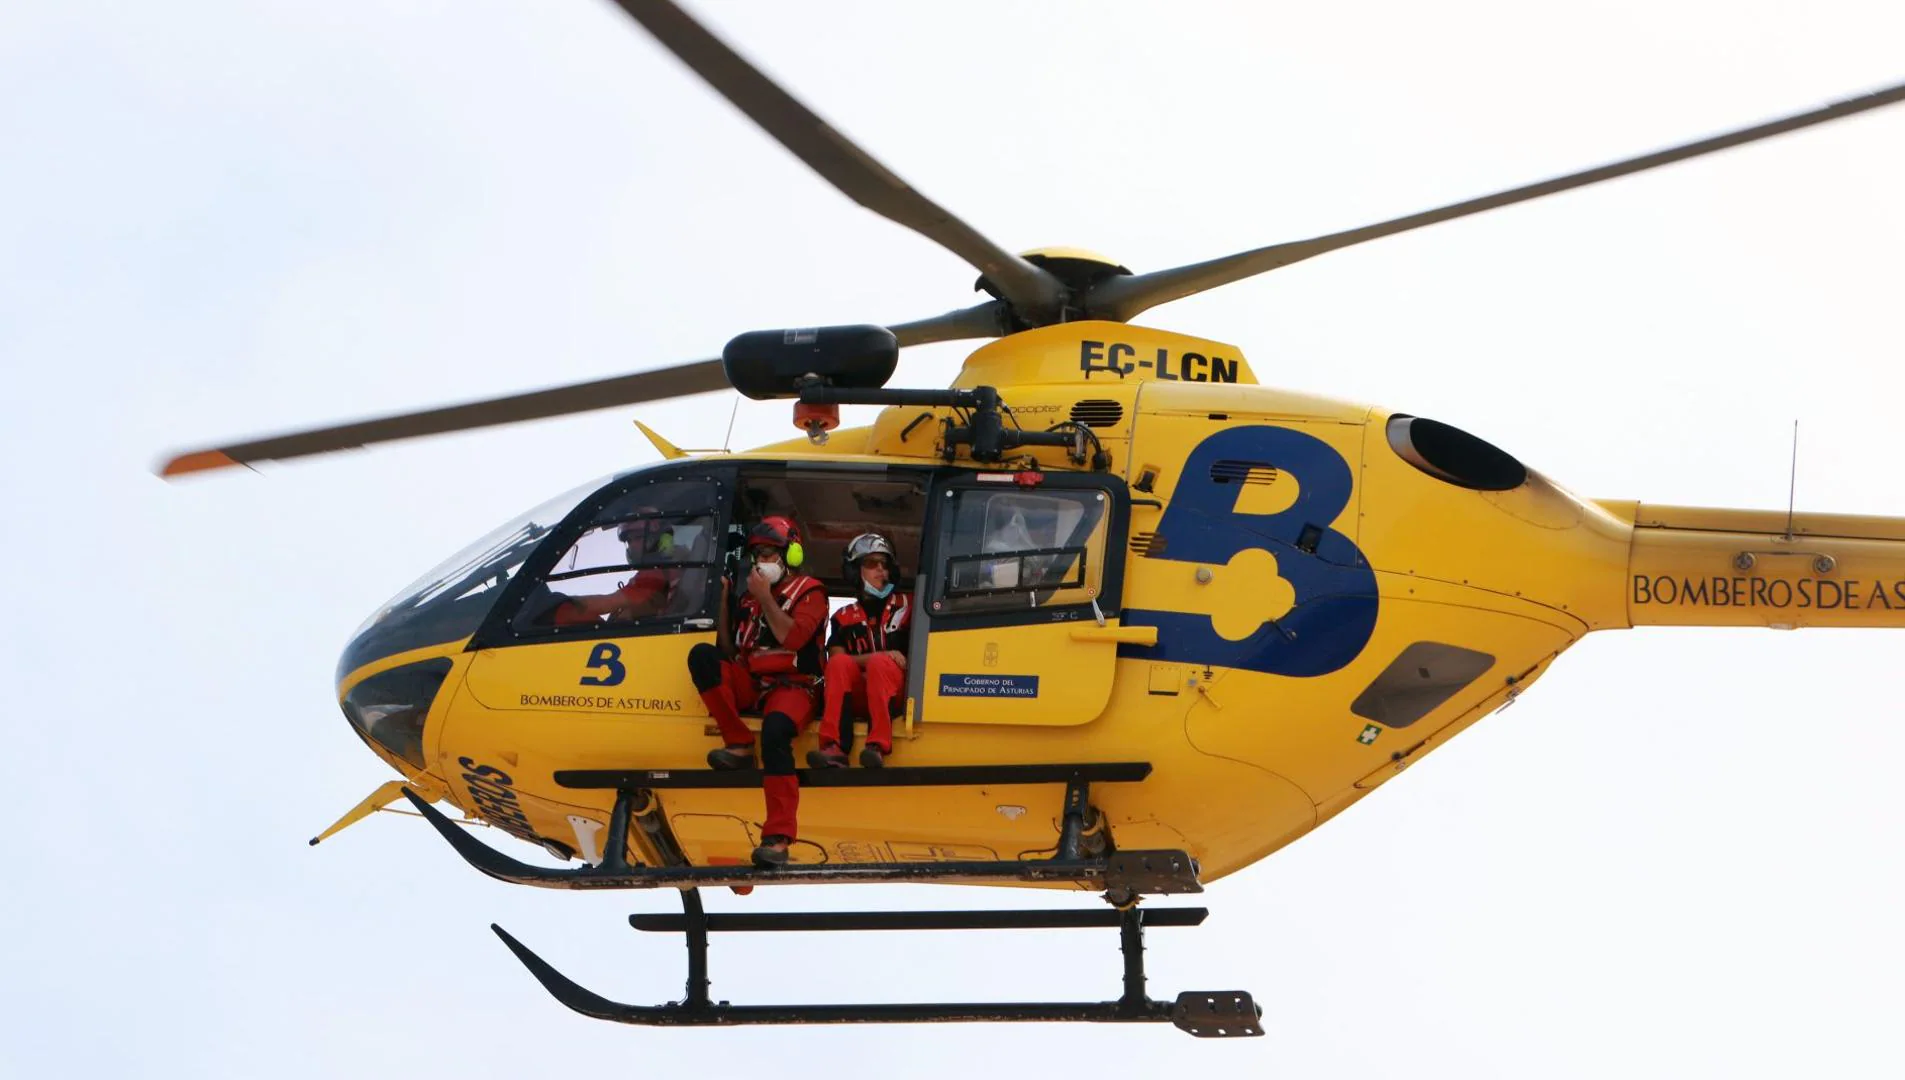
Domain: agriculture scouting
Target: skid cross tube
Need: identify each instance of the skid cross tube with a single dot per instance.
(1072, 823)
(615, 855)
(695, 929)
(1219, 1013)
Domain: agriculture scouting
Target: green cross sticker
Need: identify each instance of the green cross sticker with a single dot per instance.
(1370, 731)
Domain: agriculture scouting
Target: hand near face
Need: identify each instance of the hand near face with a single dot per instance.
(758, 587)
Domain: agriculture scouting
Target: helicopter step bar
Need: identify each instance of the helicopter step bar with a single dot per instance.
(1207, 1014)
(891, 776)
(1124, 875)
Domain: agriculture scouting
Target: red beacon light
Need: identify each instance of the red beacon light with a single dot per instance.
(816, 421)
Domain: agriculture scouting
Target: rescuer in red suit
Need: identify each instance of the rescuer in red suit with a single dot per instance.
(866, 656)
(771, 658)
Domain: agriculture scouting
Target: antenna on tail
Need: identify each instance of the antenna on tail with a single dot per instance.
(1792, 482)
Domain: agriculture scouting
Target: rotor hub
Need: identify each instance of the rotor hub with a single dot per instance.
(1077, 269)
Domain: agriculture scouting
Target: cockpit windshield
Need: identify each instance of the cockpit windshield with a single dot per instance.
(451, 600)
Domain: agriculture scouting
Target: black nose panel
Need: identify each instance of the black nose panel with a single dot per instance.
(389, 708)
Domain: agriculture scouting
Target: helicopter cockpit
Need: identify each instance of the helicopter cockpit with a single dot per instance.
(649, 553)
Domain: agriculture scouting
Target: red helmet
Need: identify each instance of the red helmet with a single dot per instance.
(778, 532)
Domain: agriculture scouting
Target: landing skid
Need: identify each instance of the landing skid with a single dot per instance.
(1206, 1014)
(1079, 859)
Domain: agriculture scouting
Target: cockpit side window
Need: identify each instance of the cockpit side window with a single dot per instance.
(647, 556)
(1014, 550)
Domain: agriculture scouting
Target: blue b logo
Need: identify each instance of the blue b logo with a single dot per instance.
(1334, 610)
(608, 657)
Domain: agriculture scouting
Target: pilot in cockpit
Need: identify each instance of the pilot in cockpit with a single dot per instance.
(648, 539)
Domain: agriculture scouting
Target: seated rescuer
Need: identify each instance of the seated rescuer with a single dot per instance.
(866, 655)
(646, 539)
(772, 657)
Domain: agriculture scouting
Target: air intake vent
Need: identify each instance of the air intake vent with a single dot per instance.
(1228, 471)
(1141, 543)
(1453, 455)
(1097, 413)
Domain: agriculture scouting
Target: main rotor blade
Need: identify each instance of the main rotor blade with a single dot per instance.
(1122, 298)
(699, 377)
(1028, 288)
(987, 320)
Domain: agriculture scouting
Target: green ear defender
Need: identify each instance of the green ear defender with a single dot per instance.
(795, 555)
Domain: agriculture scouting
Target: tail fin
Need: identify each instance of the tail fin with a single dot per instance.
(1692, 566)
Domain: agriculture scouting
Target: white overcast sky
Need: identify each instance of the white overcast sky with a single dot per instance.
(1677, 855)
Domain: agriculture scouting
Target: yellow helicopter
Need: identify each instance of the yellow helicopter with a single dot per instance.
(1169, 620)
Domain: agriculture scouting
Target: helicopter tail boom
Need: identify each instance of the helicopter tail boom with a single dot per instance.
(1695, 566)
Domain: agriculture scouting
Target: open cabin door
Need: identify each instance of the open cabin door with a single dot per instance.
(1018, 599)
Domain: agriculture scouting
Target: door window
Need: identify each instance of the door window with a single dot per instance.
(1016, 550)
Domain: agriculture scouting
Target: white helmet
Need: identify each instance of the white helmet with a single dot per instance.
(867, 543)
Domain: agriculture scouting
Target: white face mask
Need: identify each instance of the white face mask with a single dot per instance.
(771, 571)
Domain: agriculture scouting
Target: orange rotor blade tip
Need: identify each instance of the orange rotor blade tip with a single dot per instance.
(197, 461)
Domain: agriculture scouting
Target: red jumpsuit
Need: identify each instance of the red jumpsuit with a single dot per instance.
(647, 590)
(778, 676)
(870, 628)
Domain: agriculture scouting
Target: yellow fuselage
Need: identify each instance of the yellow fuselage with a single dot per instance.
(1308, 587)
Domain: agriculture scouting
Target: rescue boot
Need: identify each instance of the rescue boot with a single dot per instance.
(829, 756)
(731, 757)
(872, 757)
(772, 854)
